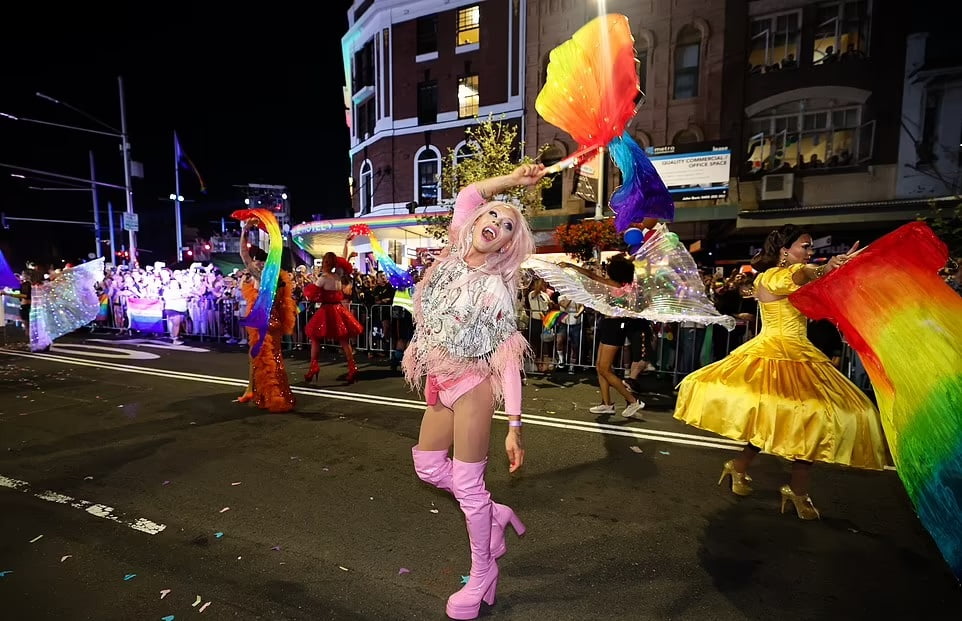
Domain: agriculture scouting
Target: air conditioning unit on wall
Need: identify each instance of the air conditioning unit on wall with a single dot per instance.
(778, 187)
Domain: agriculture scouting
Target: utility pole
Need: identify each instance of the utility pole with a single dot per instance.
(98, 247)
(125, 146)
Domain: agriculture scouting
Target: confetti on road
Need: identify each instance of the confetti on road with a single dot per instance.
(204, 607)
(636, 449)
(166, 483)
(276, 548)
(218, 534)
(236, 483)
(164, 593)
(664, 452)
(464, 579)
(63, 558)
(403, 570)
(88, 478)
(129, 577)
(434, 511)
(4, 573)
(196, 602)
(341, 567)
(168, 618)
(225, 509)
(36, 539)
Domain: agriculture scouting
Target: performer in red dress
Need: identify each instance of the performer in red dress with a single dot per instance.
(332, 320)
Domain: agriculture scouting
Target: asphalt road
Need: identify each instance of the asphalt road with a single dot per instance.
(131, 487)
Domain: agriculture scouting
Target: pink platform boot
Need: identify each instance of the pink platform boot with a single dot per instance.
(434, 467)
(476, 504)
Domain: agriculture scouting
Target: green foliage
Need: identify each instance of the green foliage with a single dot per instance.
(947, 227)
(496, 152)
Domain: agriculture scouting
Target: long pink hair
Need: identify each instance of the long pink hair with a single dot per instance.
(507, 262)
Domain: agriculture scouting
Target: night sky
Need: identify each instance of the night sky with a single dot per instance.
(254, 96)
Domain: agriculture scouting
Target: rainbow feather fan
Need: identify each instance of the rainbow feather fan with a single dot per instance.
(260, 313)
(397, 276)
(591, 92)
(904, 322)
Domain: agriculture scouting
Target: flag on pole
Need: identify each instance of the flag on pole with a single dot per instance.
(184, 162)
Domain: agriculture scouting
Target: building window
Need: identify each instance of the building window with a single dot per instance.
(367, 188)
(809, 134)
(469, 25)
(364, 66)
(468, 98)
(364, 121)
(427, 35)
(428, 102)
(841, 31)
(465, 151)
(774, 42)
(643, 69)
(687, 56)
(428, 173)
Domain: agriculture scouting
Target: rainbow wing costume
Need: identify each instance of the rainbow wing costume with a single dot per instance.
(906, 325)
(260, 312)
(591, 92)
(398, 278)
(65, 303)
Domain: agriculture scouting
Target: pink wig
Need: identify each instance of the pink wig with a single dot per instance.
(507, 261)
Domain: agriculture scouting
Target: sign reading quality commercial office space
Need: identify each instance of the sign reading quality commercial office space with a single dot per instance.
(696, 171)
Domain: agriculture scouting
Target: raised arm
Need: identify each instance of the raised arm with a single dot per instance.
(475, 194)
(814, 272)
(245, 254)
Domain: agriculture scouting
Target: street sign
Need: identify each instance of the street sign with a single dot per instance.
(131, 222)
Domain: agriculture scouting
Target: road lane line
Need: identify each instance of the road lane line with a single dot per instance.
(531, 419)
(102, 511)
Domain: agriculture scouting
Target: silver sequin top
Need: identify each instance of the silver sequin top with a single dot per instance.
(465, 311)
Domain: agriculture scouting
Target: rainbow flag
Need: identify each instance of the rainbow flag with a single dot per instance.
(904, 322)
(104, 311)
(551, 318)
(146, 315)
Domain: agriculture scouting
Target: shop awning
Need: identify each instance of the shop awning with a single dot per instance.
(323, 236)
(881, 213)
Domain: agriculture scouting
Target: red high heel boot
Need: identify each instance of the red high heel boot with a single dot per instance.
(312, 373)
(351, 371)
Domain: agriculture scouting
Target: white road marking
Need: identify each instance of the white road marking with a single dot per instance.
(98, 351)
(155, 345)
(671, 437)
(101, 511)
(530, 419)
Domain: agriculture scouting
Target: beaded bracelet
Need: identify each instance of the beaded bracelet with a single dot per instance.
(514, 423)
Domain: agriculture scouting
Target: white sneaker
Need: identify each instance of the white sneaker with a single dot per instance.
(634, 410)
(604, 408)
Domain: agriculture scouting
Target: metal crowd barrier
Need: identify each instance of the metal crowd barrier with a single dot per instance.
(675, 350)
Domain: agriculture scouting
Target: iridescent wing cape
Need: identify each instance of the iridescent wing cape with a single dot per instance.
(668, 287)
(65, 303)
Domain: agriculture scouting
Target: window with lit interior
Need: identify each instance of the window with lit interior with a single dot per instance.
(468, 98)
(841, 31)
(774, 42)
(469, 25)
(809, 134)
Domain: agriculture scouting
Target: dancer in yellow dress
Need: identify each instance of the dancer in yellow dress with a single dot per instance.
(778, 392)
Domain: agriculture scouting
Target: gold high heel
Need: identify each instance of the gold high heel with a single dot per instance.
(741, 482)
(803, 504)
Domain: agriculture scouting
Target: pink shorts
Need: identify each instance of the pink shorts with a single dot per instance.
(449, 391)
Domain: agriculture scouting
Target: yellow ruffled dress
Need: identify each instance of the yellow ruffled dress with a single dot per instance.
(781, 394)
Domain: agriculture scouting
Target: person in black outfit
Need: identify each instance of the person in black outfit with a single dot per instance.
(826, 337)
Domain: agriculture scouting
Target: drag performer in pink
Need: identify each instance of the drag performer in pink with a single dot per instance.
(467, 345)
